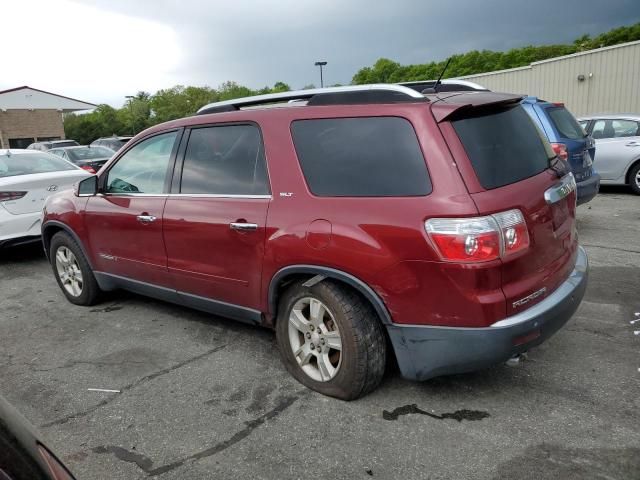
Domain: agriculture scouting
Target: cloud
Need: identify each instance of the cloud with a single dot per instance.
(156, 44)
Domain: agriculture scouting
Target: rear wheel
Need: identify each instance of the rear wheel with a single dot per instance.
(331, 340)
(72, 271)
(634, 178)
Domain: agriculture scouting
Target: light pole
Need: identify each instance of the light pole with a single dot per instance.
(321, 64)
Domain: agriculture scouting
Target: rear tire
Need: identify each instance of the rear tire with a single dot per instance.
(341, 349)
(72, 271)
(634, 178)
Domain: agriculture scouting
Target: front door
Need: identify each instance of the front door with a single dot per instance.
(124, 221)
(214, 224)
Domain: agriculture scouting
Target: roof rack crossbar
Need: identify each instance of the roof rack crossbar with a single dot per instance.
(399, 92)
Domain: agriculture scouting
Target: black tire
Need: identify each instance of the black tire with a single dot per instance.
(364, 348)
(90, 293)
(634, 181)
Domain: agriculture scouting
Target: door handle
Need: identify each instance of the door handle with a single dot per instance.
(243, 226)
(146, 218)
(632, 144)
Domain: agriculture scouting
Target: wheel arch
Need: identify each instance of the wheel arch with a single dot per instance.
(627, 175)
(294, 272)
(51, 227)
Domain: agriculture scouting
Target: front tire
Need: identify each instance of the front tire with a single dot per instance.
(331, 340)
(72, 271)
(634, 178)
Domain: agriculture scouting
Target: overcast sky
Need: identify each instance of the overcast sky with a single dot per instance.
(101, 50)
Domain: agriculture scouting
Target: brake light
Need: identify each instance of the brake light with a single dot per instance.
(8, 196)
(88, 168)
(479, 239)
(58, 471)
(560, 149)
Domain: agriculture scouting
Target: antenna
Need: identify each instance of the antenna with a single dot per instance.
(434, 89)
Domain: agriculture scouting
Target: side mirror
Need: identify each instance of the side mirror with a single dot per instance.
(87, 187)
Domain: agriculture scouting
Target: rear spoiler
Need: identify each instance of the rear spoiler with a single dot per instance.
(446, 108)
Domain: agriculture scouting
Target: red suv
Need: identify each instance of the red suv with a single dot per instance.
(358, 222)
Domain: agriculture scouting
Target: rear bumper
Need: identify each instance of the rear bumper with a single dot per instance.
(588, 189)
(424, 352)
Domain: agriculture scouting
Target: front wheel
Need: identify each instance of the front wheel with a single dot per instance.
(72, 270)
(331, 340)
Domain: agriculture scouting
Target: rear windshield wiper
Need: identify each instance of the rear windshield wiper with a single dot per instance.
(559, 166)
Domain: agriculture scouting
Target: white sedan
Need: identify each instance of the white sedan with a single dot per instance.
(27, 178)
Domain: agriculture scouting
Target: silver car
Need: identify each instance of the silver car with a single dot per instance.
(617, 139)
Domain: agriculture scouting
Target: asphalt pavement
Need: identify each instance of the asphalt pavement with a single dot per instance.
(202, 397)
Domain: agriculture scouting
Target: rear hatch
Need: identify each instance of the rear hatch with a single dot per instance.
(580, 147)
(506, 161)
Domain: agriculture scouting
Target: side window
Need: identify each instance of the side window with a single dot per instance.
(143, 169)
(624, 128)
(598, 129)
(225, 160)
(361, 157)
(615, 129)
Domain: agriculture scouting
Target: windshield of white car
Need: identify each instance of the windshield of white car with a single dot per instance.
(29, 163)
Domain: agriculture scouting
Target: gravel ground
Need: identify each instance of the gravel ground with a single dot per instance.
(203, 397)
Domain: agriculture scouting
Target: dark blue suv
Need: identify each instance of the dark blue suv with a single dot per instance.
(569, 142)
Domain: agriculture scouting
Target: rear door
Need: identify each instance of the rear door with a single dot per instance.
(617, 143)
(509, 162)
(124, 221)
(214, 220)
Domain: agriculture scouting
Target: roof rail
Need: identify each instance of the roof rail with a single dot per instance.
(446, 85)
(351, 94)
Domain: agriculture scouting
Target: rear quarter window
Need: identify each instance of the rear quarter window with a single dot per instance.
(361, 157)
(504, 146)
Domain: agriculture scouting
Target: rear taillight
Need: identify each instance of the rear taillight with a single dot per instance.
(560, 149)
(88, 168)
(479, 239)
(7, 196)
(58, 471)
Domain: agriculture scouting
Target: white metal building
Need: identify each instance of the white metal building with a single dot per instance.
(28, 115)
(604, 80)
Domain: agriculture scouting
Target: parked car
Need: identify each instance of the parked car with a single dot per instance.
(23, 455)
(570, 142)
(442, 223)
(90, 159)
(44, 146)
(27, 178)
(617, 139)
(115, 143)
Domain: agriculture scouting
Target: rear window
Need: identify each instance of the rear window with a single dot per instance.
(89, 153)
(565, 123)
(361, 157)
(504, 146)
(69, 143)
(28, 163)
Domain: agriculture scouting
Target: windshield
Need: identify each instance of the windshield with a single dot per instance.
(29, 163)
(89, 153)
(565, 123)
(504, 146)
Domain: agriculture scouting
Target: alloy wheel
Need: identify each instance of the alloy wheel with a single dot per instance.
(315, 339)
(69, 271)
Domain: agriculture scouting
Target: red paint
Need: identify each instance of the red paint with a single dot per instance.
(381, 241)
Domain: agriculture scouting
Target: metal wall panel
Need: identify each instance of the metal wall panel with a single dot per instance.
(611, 84)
